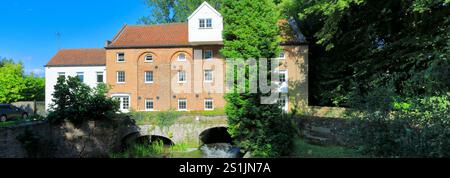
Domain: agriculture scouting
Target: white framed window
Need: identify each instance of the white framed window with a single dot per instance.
(181, 57)
(149, 105)
(283, 103)
(124, 101)
(80, 76)
(148, 58)
(120, 57)
(283, 76)
(209, 104)
(208, 23)
(182, 104)
(120, 76)
(202, 23)
(100, 77)
(182, 76)
(148, 76)
(208, 76)
(208, 54)
(61, 74)
(205, 23)
(282, 55)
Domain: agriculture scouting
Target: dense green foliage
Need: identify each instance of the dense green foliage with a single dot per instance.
(388, 59)
(370, 43)
(251, 31)
(303, 149)
(16, 86)
(156, 149)
(76, 102)
(418, 128)
(144, 150)
(169, 11)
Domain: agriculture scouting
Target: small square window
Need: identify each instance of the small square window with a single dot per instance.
(99, 77)
(181, 76)
(182, 104)
(282, 55)
(63, 74)
(209, 104)
(149, 58)
(208, 74)
(120, 57)
(80, 76)
(149, 77)
(283, 103)
(208, 54)
(120, 77)
(149, 105)
(283, 76)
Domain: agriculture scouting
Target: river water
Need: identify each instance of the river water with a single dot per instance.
(220, 150)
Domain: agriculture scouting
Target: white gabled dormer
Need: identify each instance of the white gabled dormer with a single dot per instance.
(205, 25)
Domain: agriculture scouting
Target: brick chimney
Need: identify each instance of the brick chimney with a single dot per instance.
(107, 43)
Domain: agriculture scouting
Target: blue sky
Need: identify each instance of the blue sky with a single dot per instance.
(28, 28)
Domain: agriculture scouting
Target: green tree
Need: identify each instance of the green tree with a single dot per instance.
(11, 82)
(76, 102)
(35, 88)
(390, 59)
(169, 11)
(16, 86)
(4, 61)
(370, 43)
(251, 31)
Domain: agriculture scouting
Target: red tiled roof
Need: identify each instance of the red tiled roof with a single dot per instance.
(173, 34)
(79, 57)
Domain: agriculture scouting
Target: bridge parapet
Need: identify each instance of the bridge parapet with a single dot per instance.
(179, 132)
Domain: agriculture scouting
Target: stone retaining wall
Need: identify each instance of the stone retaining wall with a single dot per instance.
(334, 129)
(90, 139)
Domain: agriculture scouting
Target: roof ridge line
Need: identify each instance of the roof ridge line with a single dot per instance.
(162, 24)
(78, 48)
(120, 32)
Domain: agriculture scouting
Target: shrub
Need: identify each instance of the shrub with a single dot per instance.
(263, 130)
(146, 150)
(419, 130)
(76, 102)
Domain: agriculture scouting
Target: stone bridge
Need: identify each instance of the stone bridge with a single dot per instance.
(194, 130)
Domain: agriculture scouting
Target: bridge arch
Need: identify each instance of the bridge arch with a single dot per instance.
(147, 139)
(215, 135)
(136, 137)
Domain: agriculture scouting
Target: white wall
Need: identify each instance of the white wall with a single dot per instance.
(209, 35)
(51, 78)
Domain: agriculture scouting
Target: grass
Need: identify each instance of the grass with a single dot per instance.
(191, 154)
(179, 147)
(158, 150)
(215, 112)
(8, 123)
(303, 149)
(153, 150)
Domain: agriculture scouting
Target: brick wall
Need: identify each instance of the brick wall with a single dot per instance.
(164, 89)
